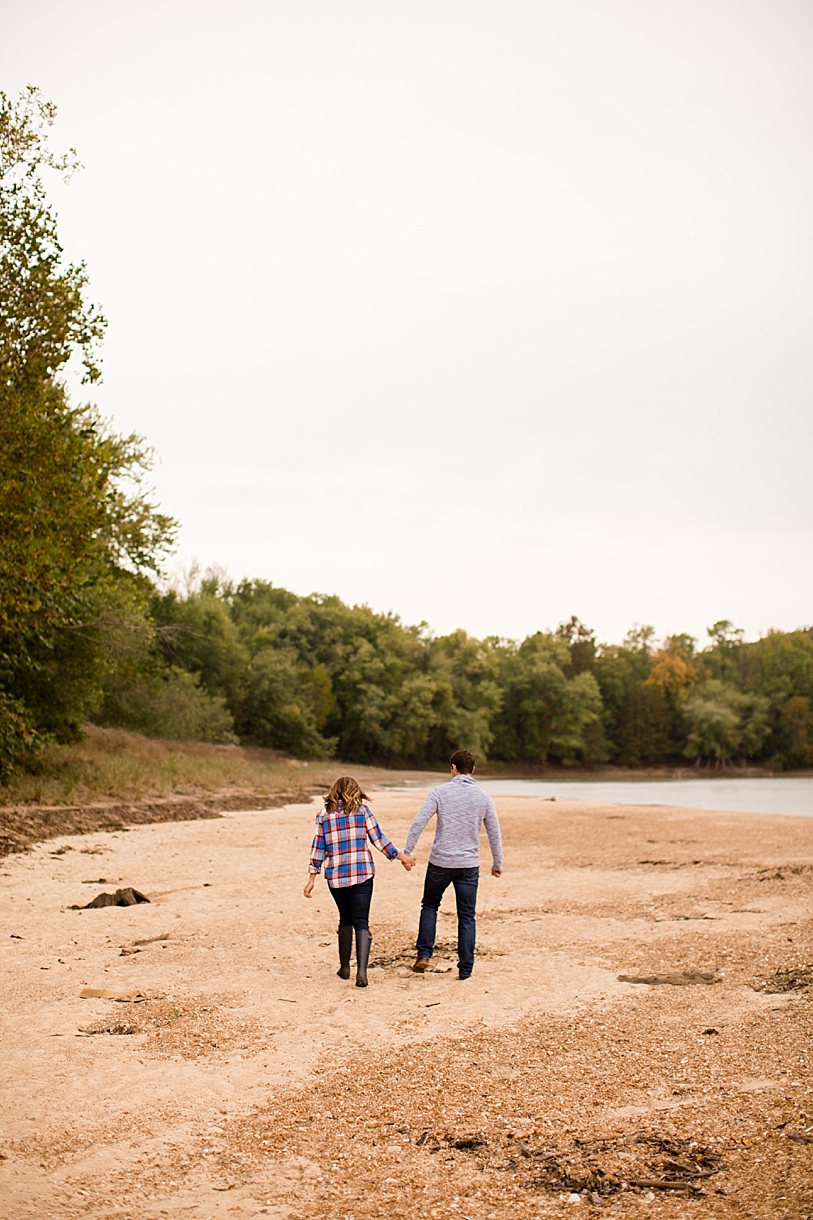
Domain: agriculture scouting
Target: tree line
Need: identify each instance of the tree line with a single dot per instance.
(314, 677)
(88, 632)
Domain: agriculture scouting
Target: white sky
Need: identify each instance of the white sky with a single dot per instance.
(484, 313)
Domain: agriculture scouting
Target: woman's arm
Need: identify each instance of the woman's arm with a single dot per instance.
(317, 856)
(379, 839)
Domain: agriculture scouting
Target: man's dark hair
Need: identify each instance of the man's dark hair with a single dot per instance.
(463, 760)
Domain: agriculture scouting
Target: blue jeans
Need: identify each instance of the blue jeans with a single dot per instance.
(435, 884)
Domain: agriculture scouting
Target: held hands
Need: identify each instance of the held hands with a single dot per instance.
(407, 861)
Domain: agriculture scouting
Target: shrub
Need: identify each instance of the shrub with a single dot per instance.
(171, 706)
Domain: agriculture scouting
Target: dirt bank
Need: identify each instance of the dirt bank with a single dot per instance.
(252, 1081)
(23, 825)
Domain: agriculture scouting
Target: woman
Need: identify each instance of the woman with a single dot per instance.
(342, 830)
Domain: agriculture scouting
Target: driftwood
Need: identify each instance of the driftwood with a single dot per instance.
(685, 979)
(127, 897)
(662, 1183)
(104, 993)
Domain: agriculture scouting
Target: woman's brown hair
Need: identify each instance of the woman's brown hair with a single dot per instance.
(348, 791)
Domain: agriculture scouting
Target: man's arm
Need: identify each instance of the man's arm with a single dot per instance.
(427, 810)
(492, 825)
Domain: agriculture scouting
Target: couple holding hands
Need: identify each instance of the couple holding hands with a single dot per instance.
(343, 829)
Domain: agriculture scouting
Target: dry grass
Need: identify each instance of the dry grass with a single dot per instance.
(111, 764)
(113, 779)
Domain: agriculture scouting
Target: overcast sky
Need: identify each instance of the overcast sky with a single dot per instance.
(484, 313)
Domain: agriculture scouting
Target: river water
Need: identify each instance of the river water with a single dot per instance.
(793, 795)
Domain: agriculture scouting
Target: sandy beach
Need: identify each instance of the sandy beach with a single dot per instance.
(252, 1081)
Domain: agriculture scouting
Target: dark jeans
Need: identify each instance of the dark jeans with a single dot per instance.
(436, 883)
(353, 902)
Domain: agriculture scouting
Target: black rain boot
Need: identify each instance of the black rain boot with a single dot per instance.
(345, 949)
(363, 942)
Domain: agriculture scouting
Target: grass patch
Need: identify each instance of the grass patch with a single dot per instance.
(116, 765)
(111, 764)
(114, 779)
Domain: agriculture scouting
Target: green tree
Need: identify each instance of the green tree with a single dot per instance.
(723, 724)
(280, 705)
(198, 633)
(779, 668)
(726, 655)
(369, 685)
(637, 717)
(545, 715)
(583, 651)
(467, 696)
(78, 541)
(311, 674)
(44, 316)
(793, 735)
(167, 703)
(780, 665)
(581, 646)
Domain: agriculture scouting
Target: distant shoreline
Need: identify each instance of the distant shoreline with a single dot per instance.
(630, 774)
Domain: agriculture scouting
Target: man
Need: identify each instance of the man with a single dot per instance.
(461, 807)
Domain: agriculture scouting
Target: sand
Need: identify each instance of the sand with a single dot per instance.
(253, 1081)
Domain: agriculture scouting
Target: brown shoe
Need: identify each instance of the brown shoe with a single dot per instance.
(422, 965)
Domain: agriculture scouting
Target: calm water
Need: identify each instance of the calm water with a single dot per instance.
(792, 795)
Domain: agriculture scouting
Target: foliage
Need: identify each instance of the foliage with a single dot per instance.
(111, 764)
(44, 317)
(724, 658)
(637, 718)
(468, 694)
(780, 667)
(545, 713)
(723, 723)
(279, 707)
(199, 634)
(79, 537)
(171, 705)
(672, 670)
(313, 676)
(581, 647)
(17, 735)
(793, 734)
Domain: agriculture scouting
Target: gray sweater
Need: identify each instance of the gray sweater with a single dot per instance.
(461, 808)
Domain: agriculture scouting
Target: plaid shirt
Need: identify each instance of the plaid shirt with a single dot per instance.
(341, 841)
